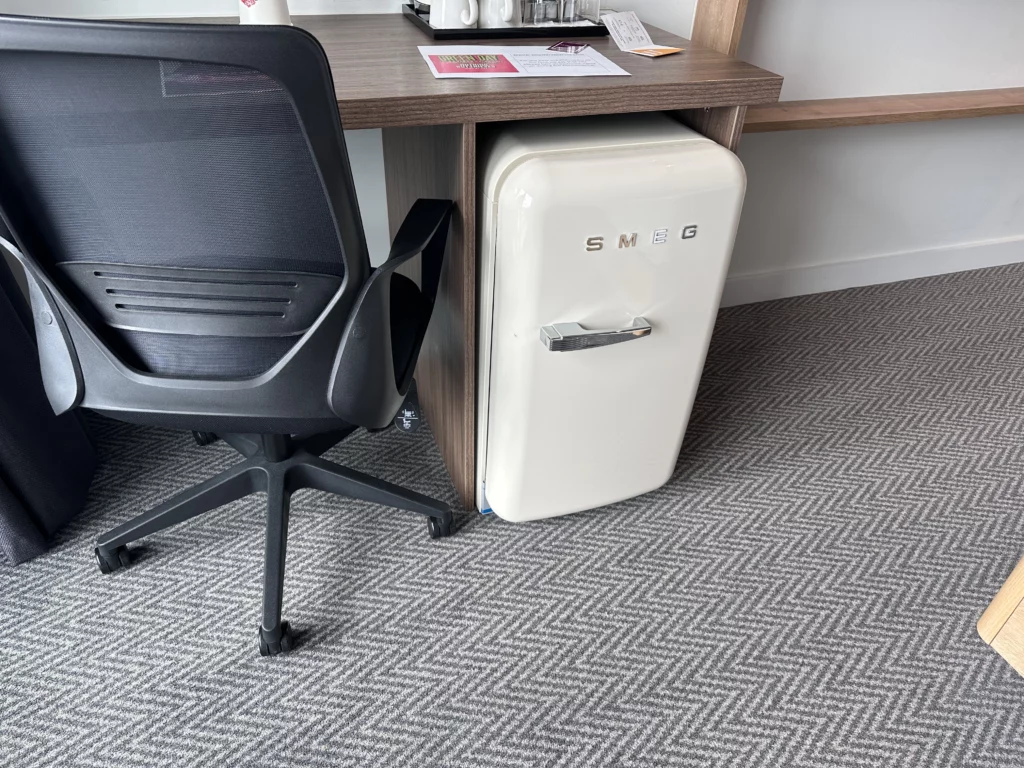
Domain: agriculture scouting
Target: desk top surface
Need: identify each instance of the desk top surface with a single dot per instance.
(382, 81)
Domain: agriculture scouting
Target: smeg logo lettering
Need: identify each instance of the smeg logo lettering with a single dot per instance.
(629, 239)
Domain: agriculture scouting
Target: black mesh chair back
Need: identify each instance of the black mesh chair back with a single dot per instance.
(132, 165)
(185, 196)
(180, 199)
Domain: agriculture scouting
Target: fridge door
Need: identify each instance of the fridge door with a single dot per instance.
(602, 269)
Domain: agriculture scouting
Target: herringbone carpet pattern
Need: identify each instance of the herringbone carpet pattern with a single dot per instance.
(802, 593)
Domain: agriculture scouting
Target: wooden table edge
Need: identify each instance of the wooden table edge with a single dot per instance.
(410, 111)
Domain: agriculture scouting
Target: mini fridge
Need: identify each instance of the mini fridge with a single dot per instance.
(604, 246)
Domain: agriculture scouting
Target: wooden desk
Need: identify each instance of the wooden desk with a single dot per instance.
(429, 134)
(382, 82)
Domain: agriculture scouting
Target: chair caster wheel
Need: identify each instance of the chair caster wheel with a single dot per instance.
(438, 527)
(284, 643)
(113, 561)
(204, 438)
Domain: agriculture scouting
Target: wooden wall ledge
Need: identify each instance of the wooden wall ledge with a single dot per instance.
(878, 110)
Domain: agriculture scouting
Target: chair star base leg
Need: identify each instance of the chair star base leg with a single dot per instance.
(276, 465)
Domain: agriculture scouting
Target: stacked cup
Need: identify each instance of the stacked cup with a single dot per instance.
(263, 12)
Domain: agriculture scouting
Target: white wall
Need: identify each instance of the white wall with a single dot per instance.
(835, 208)
(856, 206)
(366, 154)
(825, 209)
(832, 48)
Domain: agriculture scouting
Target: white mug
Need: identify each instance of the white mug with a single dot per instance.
(263, 12)
(453, 14)
(498, 14)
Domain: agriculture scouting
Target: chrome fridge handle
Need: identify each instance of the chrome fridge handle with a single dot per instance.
(568, 337)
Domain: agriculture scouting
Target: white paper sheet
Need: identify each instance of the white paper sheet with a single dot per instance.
(630, 34)
(486, 61)
(627, 30)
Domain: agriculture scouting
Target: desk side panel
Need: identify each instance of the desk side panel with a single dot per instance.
(439, 161)
(718, 25)
(723, 125)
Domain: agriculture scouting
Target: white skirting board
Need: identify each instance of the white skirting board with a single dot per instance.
(872, 270)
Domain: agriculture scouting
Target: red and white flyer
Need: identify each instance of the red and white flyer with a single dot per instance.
(484, 61)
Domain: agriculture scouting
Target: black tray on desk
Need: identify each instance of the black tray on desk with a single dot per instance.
(566, 32)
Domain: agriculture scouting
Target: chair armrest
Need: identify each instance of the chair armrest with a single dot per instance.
(58, 361)
(364, 388)
(422, 221)
(418, 231)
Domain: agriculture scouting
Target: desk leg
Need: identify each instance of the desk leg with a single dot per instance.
(721, 124)
(439, 161)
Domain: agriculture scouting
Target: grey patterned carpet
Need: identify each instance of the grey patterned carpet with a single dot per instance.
(802, 593)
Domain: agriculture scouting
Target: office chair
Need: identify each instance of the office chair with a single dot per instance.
(181, 200)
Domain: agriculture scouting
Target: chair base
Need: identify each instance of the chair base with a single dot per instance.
(277, 465)
(275, 641)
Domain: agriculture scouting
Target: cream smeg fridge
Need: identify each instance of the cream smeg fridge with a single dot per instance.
(604, 246)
